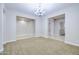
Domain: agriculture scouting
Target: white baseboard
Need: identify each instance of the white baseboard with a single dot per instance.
(51, 38)
(72, 43)
(24, 37)
(19, 38)
(45, 36)
(38, 36)
(8, 41)
(64, 41)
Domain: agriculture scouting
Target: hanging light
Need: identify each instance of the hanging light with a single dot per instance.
(39, 10)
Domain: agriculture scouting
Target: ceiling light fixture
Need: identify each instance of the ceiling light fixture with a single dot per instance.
(39, 10)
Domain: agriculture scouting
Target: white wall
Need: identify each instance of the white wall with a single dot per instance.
(21, 28)
(4, 24)
(1, 27)
(38, 26)
(71, 23)
(51, 27)
(11, 23)
(31, 28)
(44, 26)
(25, 28)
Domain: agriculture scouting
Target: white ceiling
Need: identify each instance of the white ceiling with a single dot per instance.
(28, 8)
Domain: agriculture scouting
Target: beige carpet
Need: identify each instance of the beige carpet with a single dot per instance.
(39, 46)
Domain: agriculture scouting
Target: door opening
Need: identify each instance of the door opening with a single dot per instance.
(57, 27)
(25, 27)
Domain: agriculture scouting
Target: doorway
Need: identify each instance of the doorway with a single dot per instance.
(25, 27)
(57, 27)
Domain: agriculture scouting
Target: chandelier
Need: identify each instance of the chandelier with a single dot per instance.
(39, 10)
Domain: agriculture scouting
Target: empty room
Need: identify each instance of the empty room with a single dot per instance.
(39, 29)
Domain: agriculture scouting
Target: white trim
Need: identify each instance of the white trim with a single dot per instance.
(27, 37)
(8, 41)
(19, 38)
(52, 38)
(72, 43)
(36, 36)
(75, 44)
(24, 37)
(39, 36)
(45, 36)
